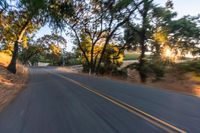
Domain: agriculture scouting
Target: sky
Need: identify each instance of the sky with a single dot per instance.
(182, 7)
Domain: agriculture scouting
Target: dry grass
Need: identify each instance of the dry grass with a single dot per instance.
(10, 84)
(187, 83)
(4, 59)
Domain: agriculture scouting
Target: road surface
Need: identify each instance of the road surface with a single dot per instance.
(60, 102)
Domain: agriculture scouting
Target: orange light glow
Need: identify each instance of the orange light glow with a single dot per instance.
(168, 53)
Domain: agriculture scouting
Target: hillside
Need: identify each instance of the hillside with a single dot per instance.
(10, 84)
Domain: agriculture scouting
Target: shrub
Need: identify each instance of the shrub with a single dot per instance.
(85, 68)
(151, 67)
(119, 72)
(108, 68)
(189, 66)
(102, 69)
(132, 66)
(158, 69)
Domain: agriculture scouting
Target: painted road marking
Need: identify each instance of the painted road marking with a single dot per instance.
(152, 119)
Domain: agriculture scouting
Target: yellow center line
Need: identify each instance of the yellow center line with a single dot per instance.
(152, 119)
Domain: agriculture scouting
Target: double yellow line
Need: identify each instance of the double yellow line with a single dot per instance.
(151, 119)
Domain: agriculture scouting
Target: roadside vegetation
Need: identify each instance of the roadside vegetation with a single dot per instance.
(131, 56)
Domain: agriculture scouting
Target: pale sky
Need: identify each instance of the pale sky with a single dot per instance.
(182, 7)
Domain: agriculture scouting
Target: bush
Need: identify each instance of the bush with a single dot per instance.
(102, 69)
(120, 72)
(85, 68)
(189, 66)
(158, 69)
(73, 61)
(107, 68)
(155, 67)
(132, 66)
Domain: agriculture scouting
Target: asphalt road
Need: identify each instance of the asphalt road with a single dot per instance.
(60, 102)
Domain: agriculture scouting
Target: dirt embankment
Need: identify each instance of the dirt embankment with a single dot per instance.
(187, 83)
(10, 84)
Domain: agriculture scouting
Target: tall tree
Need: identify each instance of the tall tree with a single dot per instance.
(161, 19)
(139, 33)
(48, 45)
(155, 28)
(37, 12)
(100, 21)
(184, 34)
(27, 12)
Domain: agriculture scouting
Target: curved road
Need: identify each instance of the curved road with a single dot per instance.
(60, 102)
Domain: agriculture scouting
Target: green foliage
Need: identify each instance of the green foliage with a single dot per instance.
(114, 70)
(102, 70)
(169, 4)
(153, 67)
(189, 66)
(33, 6)
(72, 59)
(13, 26)
(131, 35)
(58, 11)
(47, 40)
(185, 34)
(3, 5)
(184, 27)
(162, 15)
(54, 11)
(112, 56)
(46, 49)
(96, 26)
(157, 68)
(120, 72)
(122, 4)
(131, 56)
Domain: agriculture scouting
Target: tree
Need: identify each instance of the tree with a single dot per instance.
(142, 32)
(155, 28)
(161, 18)
(100, 21)
(184, 34)
(37, 12)
(27, 12)
(3, 5)
(112, 56)
(48, 46)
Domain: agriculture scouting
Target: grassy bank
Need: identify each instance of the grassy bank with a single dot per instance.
(10, 84)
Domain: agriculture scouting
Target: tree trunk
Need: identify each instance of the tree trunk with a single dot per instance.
(95, 61)
(12, 66)
(102, 54)
(141, 69)
(92, 60)
(158, 52)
